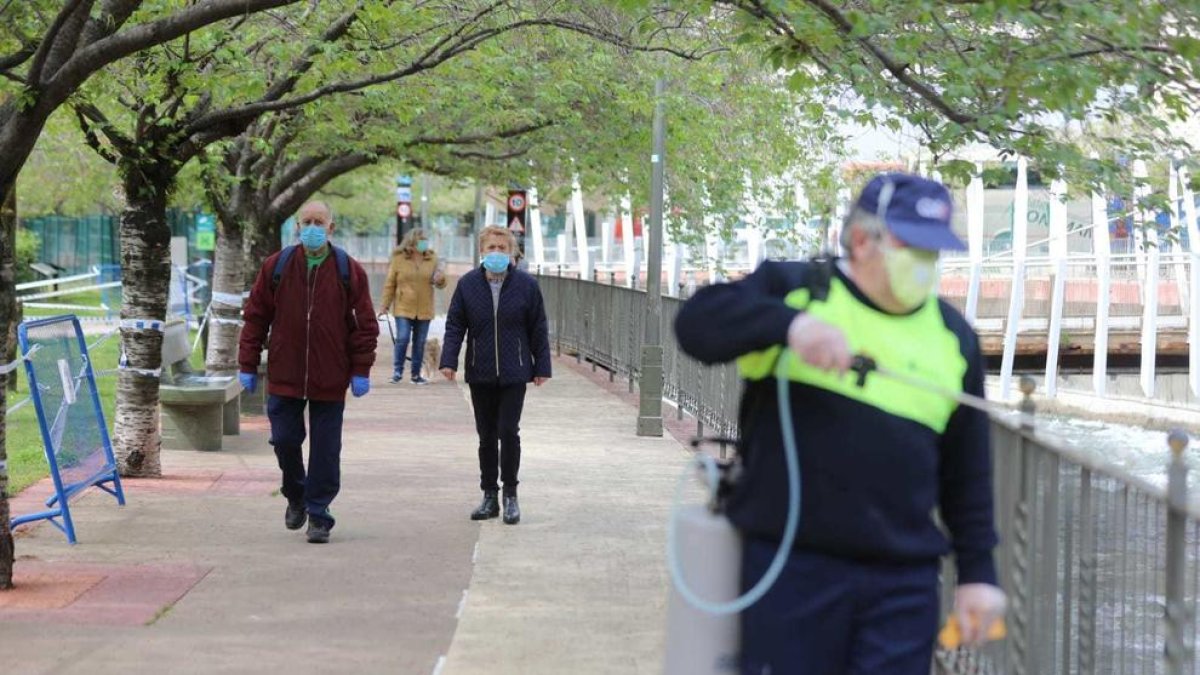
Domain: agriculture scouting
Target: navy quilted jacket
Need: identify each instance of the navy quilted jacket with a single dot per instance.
(505, 345)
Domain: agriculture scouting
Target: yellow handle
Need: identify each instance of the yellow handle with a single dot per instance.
(951, 637)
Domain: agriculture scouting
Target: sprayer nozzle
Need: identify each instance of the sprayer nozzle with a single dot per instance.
(862, 365)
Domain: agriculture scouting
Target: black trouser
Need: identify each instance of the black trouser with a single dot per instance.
(497, 421)
(318, 488)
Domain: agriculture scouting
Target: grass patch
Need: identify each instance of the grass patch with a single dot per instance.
(26, 454)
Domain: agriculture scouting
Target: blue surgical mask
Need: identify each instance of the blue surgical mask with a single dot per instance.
(422, 246)
(313, 237)
(495, 262)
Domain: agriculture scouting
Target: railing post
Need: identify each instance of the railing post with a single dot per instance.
(1179, 621)
(1023, 544)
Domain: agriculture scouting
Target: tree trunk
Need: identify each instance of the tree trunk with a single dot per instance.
(10, 353)
(227, 284)
(8, 243)
(262, 239)
(146, 281)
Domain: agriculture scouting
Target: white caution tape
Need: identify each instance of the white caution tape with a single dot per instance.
(147, 372)
(53, 282)
(16, 406)
(143, 324)
(9, 367)
(103, 338)
(230, 299)
(200, 328)
(68, 291)
(74, 308)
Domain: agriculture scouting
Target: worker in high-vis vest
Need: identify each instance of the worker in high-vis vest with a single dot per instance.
(881, 460)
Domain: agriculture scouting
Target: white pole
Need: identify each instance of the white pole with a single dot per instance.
(581, 240)
(1179, 268)
(675, 254)
(975, 240)
(1058, 256)
(1020, 221)
(1193, 232)
(1148, 228)
(489, 217)
(535, 229)
(1137, 218)
(1016, 299)
(627, 243)
(1102, 248)
(754, 246)
(839, 216)
(606, 239)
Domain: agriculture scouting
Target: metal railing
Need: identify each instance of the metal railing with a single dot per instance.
(1102, 568)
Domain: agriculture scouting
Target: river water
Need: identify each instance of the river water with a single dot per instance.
(1134, 450)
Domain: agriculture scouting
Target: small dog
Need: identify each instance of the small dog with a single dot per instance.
(431, 359)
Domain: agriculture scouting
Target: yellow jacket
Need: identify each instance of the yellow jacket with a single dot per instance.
(408, 291)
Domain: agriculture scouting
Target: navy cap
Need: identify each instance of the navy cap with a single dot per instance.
(915, 209)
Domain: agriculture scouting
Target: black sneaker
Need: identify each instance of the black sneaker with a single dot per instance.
(318, 532)
(295, 515)
(397, 378)
(419, 380)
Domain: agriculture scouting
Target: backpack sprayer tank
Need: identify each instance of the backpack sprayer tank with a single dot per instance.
(698, 641)
(704, 555)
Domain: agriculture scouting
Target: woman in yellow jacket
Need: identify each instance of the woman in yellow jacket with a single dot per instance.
(408, 295)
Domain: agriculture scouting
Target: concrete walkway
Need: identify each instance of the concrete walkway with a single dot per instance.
(198, 575)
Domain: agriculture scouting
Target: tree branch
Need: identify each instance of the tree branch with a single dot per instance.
(294, 196)
(89, 134)
(439, 53)
(481, 137)
(74, 11)
(97, 55)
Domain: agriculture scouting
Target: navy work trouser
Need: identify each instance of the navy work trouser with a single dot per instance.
(318, 488)
(498, 423)
(833, 616)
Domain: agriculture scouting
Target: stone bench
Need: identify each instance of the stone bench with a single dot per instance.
(197, 410)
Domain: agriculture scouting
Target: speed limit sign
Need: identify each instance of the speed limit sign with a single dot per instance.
(516, 202)
(404, 209)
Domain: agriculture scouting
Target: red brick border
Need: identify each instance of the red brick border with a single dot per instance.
(84, 593)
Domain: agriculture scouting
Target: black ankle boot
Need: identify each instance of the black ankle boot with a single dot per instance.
(488, 508)
(512, 510)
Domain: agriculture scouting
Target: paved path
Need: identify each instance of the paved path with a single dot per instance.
(198, 575)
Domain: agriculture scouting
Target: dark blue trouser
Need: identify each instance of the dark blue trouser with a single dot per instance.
(833, 616)
(418, 329)
(498, 424)
(318, 488)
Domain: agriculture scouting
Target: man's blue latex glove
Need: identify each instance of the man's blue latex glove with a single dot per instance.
(249, 381)
(359, 385)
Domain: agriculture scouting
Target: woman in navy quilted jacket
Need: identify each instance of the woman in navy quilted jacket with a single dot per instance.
(498, 311)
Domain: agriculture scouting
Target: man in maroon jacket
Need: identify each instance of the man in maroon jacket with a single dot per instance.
(312, 305)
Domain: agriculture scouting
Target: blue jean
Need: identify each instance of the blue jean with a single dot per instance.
(321, 483)
(417, 329)
(833, 616)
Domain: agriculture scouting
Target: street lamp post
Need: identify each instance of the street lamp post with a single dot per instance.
(650, 421)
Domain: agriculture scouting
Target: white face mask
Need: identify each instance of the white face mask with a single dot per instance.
(912, 273)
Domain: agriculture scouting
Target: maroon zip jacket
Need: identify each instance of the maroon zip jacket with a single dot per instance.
(320, 333)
